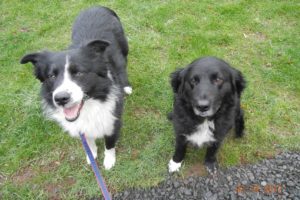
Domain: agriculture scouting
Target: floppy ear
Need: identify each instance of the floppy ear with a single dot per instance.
(238, 81)
(177, 79)
(38, 60)
(33, 58)
(98, 46)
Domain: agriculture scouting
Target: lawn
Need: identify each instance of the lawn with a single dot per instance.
(260, 38)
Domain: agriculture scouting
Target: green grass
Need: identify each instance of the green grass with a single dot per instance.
(260, 38)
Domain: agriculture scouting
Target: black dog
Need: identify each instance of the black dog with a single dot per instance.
(83, 87)
(206, 106)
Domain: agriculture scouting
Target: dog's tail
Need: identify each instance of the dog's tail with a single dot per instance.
(170, 116)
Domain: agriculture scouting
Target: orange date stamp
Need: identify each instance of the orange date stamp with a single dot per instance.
(267, 189)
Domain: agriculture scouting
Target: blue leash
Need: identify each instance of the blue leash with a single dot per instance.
(95, 168)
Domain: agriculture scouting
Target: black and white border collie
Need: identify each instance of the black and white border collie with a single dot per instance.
(206, 106)
(83, 87)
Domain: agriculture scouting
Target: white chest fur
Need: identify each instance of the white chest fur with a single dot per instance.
(203, 134)
(96, 118)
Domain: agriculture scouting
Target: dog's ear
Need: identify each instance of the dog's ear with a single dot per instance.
(32, 57)
(238, 81)
(177, 79)
(38, 60)
(98, 46)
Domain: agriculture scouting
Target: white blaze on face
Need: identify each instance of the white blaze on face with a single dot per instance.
(69, 86)
(72, 109)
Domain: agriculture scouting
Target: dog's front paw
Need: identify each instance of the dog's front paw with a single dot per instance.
(174, 166)
(211, 167)
(109, 158)
(128, 90)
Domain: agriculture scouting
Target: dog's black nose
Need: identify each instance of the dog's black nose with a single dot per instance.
(203, 106)
(62, 98)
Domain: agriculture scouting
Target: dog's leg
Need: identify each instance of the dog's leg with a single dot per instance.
(239, 123)
(92, 144)
(124, 79)
(109, 158)
(110, 152)
(128, 90)
(210, 157)
(122, 73)
(180, 150)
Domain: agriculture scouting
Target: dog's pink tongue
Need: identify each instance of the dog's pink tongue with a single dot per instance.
(71, 113)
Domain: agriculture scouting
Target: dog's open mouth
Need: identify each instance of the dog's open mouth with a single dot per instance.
(72, 113)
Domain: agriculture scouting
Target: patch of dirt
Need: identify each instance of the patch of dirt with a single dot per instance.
(55, 189)
(3, 178)
(196, 169)
(28, 173)
(142, 112)
(243, 160)
(268, 155)
(258, 36)
(24, 175)
(134, 154)
(282, 131)
(50, 167)
(24, 30)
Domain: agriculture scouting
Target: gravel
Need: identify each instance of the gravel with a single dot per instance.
(277, 178)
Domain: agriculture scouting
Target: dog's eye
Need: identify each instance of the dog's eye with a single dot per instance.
(52, 76)
(78, 74)
(218, 81)
(194, 81)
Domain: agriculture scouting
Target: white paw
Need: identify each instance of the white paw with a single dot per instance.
(173, 166)
(128, 90)
(109, 158)
(88, 160)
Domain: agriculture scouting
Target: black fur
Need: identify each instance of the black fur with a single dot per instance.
(216, 83)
